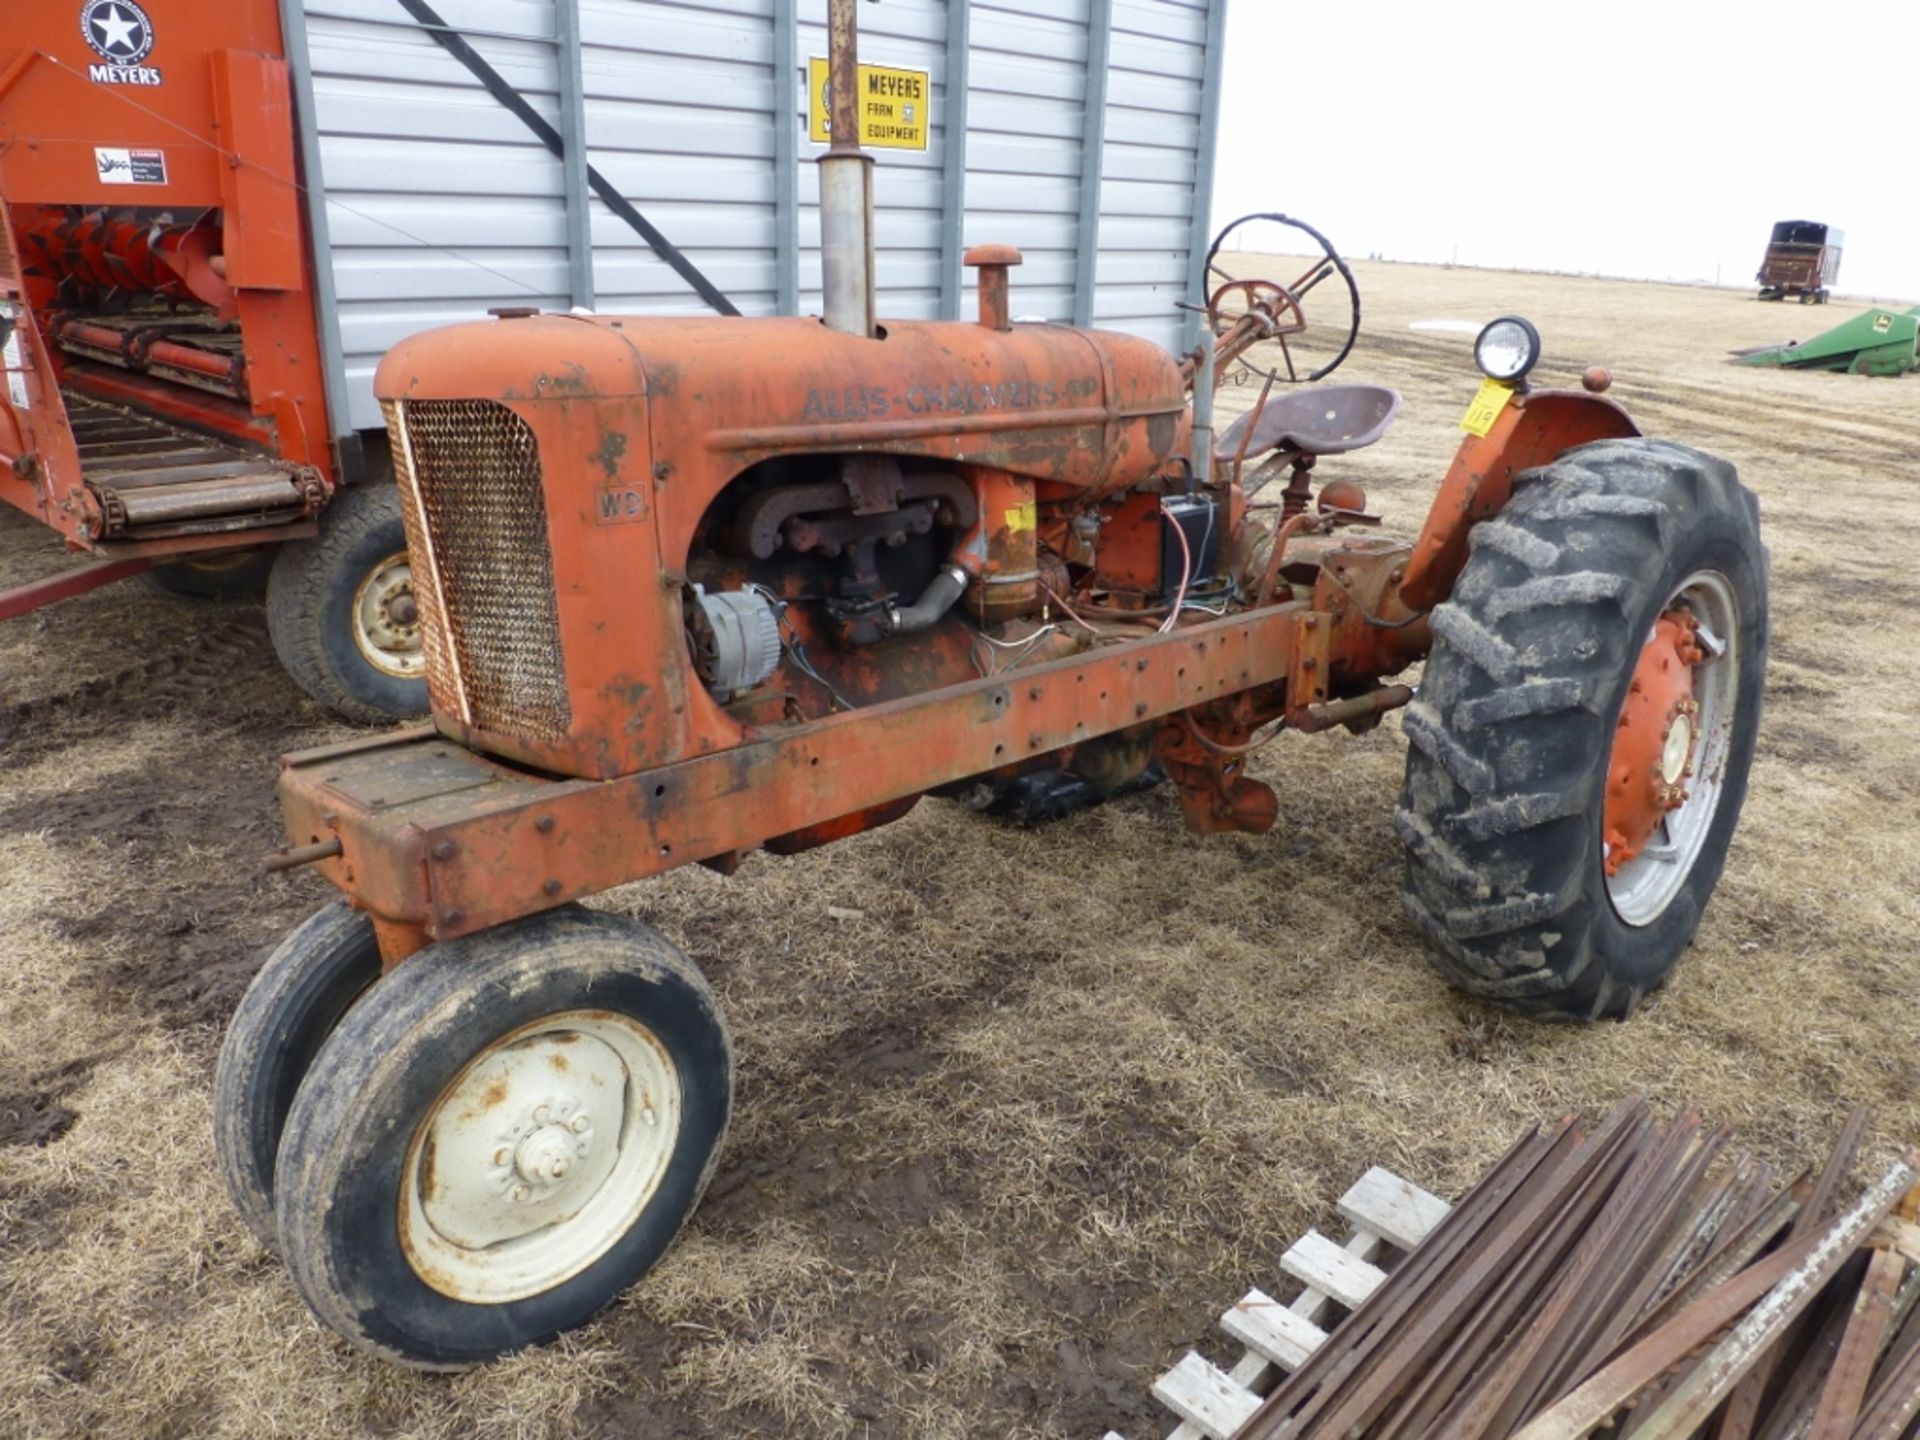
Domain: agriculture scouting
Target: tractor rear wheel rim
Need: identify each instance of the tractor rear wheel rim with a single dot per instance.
(1645, 885)
(386, 619)
(539, 1157)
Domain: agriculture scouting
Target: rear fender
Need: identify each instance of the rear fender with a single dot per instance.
(1534, 429)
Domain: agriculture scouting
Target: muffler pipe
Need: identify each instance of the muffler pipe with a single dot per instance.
(846, 185)
(1200, 462)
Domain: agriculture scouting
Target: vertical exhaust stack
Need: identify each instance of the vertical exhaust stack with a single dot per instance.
(846, 184)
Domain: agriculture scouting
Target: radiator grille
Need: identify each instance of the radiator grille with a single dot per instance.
(471, 474)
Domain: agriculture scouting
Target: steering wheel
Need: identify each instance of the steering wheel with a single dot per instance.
(1231, 299)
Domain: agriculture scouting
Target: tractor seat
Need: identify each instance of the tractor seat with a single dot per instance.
(1328, 420)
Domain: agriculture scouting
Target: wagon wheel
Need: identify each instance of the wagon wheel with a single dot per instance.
(1229, 297)
(215, 577)
(342, 611)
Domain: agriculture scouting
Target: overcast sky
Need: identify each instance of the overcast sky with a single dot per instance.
(1629, 138)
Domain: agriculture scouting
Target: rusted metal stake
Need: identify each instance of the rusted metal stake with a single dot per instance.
(1743, 1410)
(1688, 1407)
(1845, 1392)
(1588, 1407)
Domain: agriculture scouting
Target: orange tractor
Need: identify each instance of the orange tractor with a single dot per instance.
(696, 587)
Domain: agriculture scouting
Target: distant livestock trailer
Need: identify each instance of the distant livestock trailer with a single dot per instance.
(1803, 258)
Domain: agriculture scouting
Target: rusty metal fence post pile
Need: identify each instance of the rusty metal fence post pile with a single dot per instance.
(1629, 1278)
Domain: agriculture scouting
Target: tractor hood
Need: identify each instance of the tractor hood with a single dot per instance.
(1076, 407)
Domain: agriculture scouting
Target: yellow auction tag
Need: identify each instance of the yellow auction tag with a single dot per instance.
(1024, 516)
(1488, 401)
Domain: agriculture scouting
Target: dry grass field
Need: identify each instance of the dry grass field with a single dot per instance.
(1010, 1135)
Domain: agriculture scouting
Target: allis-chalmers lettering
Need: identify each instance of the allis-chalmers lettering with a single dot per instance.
(876, 402)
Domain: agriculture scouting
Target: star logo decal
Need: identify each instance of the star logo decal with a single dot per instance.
(117, 30)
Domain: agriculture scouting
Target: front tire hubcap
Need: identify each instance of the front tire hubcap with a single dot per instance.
(539, 1157)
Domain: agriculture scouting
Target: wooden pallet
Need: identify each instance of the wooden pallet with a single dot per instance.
(1389, 1217)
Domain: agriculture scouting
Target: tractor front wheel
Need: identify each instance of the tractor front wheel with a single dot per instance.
(503, 1134)
(295, 1001)
(1579, 749)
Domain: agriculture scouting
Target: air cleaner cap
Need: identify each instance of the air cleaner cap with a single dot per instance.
(1507, 349)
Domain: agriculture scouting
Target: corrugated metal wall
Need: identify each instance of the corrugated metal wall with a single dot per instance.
(441, 203)
(1156, 76)
(680, 107)
(1026, 108)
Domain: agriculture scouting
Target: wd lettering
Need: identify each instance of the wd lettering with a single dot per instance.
(619, 505)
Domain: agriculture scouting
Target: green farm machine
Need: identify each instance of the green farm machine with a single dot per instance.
(1875, 342)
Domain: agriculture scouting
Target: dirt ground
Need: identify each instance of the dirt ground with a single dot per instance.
(1010, 1137)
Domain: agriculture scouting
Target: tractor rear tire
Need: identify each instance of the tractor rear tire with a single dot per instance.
(295, 1001)
(1512, 734)
(332, 609)
(504, 1133)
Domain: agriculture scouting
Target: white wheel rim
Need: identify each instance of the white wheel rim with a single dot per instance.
(1645, 885)
(539, 1156)
(386, 619)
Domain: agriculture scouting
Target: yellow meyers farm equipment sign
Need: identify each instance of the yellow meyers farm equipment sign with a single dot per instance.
(893, 105)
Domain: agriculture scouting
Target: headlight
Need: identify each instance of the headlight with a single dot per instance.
(1507, 349)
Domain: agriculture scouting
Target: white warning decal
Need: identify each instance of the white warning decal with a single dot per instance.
(10, 356)
(130, 167)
